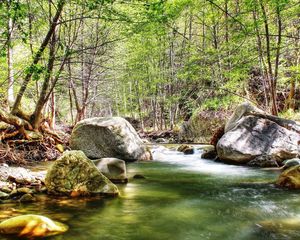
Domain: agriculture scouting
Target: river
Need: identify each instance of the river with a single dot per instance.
(182, 197)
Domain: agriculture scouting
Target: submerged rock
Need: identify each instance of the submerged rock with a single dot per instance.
(32, 226)
(290, 178)
(108, 137)
(73, 174)
(250, 136)
(113, 168)
(139, 176)
(280, 225)
(27, 198)
(20, 192)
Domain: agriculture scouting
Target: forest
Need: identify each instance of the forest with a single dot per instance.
(158, 62)
(150, 119)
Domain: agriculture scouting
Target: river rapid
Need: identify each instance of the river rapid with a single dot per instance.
(182, 197)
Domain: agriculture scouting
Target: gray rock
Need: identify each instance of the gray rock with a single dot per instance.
(108, 137)
(113, 168)
(263, 161)
(241, 110)
(254, 136)
(73, 174)
(20, 175)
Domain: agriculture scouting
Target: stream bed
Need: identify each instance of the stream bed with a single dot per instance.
(182, 197)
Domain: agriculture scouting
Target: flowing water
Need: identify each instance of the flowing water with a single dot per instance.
(183, 197)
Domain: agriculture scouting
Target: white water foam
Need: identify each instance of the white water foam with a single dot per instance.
(195, 163)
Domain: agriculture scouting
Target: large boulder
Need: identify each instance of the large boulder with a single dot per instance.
(113, 168)
(108, 137)
(241, 111)
(250, 133)
(254, 136)
(73, 174)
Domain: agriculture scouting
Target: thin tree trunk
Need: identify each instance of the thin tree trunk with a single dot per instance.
(10, 88)
(261, 59)
(36, 117)
(53, 110)
(269, 64)
(37, 57)
(278, 47)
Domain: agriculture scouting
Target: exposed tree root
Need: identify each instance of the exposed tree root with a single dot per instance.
(18, 150)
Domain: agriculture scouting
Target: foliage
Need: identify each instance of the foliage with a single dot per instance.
(156, 60)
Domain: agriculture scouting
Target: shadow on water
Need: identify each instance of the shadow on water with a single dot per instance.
(182, 198)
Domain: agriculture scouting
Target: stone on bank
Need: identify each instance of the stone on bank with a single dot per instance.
(73, 174)
(108, 137)
(250, 134)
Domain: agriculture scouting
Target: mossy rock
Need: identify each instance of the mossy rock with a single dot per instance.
(32, 226)
(290, 178)
(73, 174)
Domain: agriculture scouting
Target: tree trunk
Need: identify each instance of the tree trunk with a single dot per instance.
(37, 57)
(269, 64)
(36, 116)
(10, 88)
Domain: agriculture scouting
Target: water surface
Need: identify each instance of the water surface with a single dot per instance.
(183, 197)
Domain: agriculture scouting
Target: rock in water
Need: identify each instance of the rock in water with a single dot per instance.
(186, 149)
(113, 168)
(108, 137)
(209, 154)
(32, 226)
(290, 178)
(73, 174)
(255, 136)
